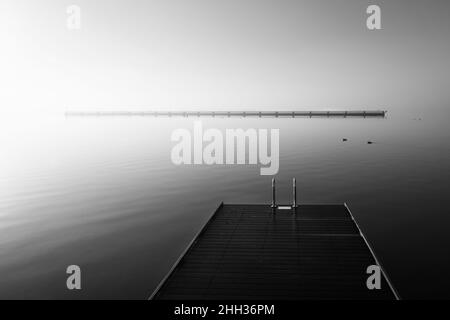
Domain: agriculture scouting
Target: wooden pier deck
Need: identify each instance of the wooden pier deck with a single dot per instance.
(253, 252)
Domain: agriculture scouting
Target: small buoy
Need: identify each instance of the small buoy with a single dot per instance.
(369, 142)
(344, 139)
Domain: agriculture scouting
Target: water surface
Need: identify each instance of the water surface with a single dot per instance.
(102, 193)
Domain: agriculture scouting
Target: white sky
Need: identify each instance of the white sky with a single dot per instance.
(222, 54)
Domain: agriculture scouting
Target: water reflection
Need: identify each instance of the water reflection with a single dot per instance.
(103, 193)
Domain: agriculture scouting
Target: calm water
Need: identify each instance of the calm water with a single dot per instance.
(103, 193)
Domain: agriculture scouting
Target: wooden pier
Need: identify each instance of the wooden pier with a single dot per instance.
(261, 114)
(282, 253)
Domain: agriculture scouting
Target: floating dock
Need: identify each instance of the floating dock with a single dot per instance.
(268, 114)
(276, 252)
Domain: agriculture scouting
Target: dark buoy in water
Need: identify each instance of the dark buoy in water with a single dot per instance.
(369, 142)
(344, 139)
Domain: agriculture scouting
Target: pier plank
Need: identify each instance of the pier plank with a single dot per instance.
(256, 252)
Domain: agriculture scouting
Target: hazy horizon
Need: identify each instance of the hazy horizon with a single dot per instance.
(211, 54)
